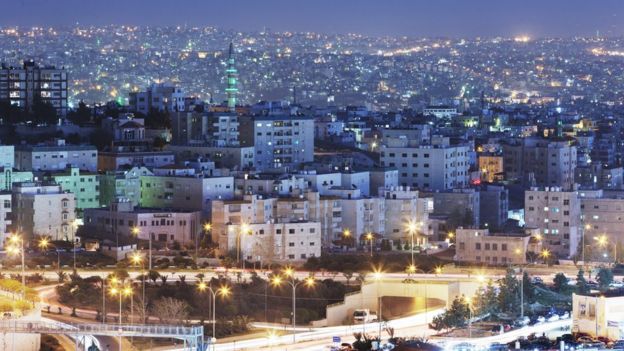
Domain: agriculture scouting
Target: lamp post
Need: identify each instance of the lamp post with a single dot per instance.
(207, 229)
(346, 235)
(44, 243)
(412, 227)
(17, 248)
(74, 225)
(289, 278)
(545, 254)
(370, 238)
(224, 291)
(121, 292)
(137, 259)
(244, 228)
(411, 269)
(377, 275)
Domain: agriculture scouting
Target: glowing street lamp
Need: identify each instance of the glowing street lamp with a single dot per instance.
(17, 248)
(290, 280)
(370, 238)
(223, 291)
(412, 228)
(120, 292)
(137, 260)
(43, 244)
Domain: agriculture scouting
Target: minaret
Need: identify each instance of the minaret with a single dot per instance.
(232, 75)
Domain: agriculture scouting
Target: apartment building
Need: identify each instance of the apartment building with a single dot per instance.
(439, 166)
(189, 193)
(484, 247)
(164, 226)
(279, 141)
(23, 86)
(56, 157)
(404, 206)
(122, 184)
(44, 209)
(84, 185)
(540, 162)
(557, 214)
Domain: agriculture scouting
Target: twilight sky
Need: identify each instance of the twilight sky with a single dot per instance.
(453, 18)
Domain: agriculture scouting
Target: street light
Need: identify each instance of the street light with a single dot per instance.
(412, 227)
(207, 229)
(545, 254)
(136, 231)
(603, 242)
(370, 238)
(377, 276)
(346, 235)
(289, 278)
(224, 291)
(17, 248)
(74, 226)
(411, 269)
(44, 243)
(244, 228)
(137, 259)
(121, 292)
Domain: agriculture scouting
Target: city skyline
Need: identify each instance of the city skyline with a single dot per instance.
(447, 18)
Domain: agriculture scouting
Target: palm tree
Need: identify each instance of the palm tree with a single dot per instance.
(348, 276)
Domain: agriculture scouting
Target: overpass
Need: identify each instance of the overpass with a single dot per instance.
(192, 337)
(421, 295)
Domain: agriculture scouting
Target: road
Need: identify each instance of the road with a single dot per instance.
(306, 338)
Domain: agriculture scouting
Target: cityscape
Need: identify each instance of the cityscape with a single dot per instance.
(315, 176)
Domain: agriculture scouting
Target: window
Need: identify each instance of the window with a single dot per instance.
(478, 246)
(291, 231)
(487, 246)
(503, 247)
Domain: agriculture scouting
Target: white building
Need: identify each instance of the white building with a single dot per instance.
(43, 209)
(5, 216)
(557, 214)
(266, 230)
(279, 141)
(114, 160)
(357, 180)
(162, 225)
(403, 206)
(56, 157)
(440, 111)
(439, 166)
(321, 182)
(162, 97)
(360, 215)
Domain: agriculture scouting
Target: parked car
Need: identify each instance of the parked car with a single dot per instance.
(552, 318)
(618, 345)
(364, 315)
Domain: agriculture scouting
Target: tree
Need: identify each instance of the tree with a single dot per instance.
(560, 283)
(43, 112)
(348, 276)
(171, 311)
(485, 301)
(581, 284)
(528, 288)
(509, 294)
(81, 115)
(153, 276)
(605, 278)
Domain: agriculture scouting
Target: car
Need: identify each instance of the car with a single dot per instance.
(537, 280)
(498, 347)
(521, 322)
(564, 315)
(552, 318)
(618, 345)
(541, 319)
(596, 345)
(585, 339)
(498, 328)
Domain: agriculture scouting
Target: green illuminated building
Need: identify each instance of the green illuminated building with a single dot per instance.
(232, 75)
